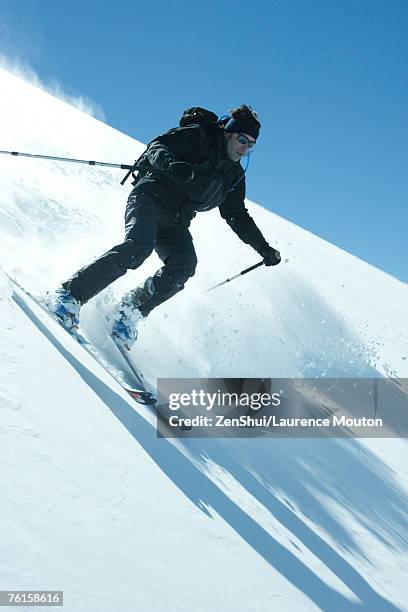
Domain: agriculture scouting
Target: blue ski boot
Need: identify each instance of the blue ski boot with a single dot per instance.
(64, 307)
(125, 324)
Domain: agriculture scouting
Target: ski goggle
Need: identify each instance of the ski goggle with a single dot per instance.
(242, 139)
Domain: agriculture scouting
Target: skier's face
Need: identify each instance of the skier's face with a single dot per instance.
(235, 148)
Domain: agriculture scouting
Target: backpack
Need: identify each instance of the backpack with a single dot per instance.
(198, 115)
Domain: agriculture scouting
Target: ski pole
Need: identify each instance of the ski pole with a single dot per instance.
(261, 263)
(69, 159)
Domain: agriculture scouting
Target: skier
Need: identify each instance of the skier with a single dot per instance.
(186, 170)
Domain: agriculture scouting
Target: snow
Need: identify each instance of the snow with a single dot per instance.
(92, 502)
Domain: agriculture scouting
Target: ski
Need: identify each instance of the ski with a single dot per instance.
(124, 353)
(138, 392)
(139, 377)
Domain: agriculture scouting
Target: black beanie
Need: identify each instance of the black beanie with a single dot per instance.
(244, 125)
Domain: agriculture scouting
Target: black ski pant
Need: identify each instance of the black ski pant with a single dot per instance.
(147, 227)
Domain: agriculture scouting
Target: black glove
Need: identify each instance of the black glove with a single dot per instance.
(270, 256)
(181, 172)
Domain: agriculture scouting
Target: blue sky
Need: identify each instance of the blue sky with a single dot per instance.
(327, 77)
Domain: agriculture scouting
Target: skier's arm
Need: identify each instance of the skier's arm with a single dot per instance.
(178, 144)
(234, 212)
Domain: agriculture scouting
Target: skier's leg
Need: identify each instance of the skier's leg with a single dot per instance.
(174, 246)
(142, 218)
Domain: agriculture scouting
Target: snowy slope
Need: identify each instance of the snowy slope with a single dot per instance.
(324, 312)
(92, 502)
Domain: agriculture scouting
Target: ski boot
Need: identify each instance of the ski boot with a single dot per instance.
(64, 307)
(124, 330)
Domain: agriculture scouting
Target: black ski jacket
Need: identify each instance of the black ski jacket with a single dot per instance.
(217, 181)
